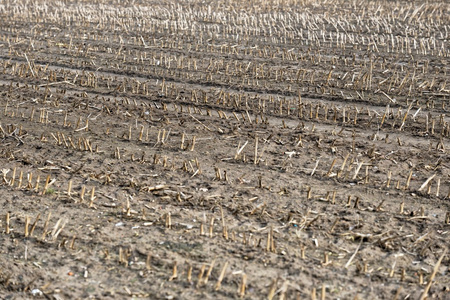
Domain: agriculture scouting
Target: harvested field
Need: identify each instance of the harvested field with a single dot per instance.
(224, 149)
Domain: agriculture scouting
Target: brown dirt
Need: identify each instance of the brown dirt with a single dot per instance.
(340, 113)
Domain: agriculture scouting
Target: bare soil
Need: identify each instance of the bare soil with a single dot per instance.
(220, 149)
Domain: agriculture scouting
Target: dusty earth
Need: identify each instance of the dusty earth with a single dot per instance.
(214, 149)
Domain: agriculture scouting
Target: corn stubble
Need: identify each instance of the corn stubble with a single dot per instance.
(237, 150)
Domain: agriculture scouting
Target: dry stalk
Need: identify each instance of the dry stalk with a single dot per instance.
(69, 188)
(57, 230)
(211, 227)
(242, 286)
(46, 185)
(331, 168)
(221, 276)
(315, 167)
(7, 219)
(239, 150)
(168, 220)
(357, 170)
(430, 281)
(92, 197)
(208, 273)
(174, 272)
(34, 224)
(13, 178)
(272, 289)
(44, 232)
(189, 274)
(256, 151)
(200, 276)
(353, 256)
(193, 143)
(148, 261)
(27, 225)
(283, 290)
(425, 184)
(83, 191)
(72, 243)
